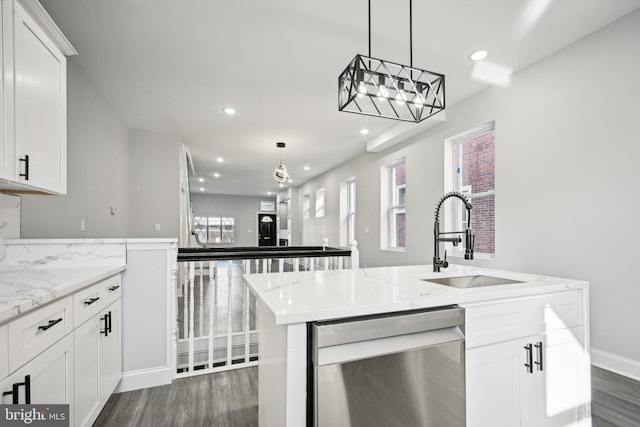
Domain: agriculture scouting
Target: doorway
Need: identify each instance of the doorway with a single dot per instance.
(266, 229)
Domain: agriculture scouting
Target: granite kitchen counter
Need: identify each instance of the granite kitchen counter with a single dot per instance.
(25, 289)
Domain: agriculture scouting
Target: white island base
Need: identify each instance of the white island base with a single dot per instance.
(527, 347)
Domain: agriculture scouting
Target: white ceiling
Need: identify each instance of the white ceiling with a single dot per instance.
(171, 66)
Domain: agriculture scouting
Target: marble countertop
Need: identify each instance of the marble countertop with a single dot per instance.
(321, 295)
(22, 290)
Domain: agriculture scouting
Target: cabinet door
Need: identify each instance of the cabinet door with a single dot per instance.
(566, 375)
(7, 152)
(40, 107)
(494, 374)
(87, 398)
(50, 376)
(503, 391)
(111, 352)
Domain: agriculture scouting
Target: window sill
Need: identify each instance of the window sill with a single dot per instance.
(394, 249)
(482, 256)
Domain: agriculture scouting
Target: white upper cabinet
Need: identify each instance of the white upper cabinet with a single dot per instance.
(7, 151)
(35, 95)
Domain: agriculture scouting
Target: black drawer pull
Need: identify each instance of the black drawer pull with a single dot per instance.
(113, 288)
(91, 300)
(51, 324)
(26, 167)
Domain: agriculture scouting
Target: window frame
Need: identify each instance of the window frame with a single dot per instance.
(211, 228)
(455, 219)
(391, 205)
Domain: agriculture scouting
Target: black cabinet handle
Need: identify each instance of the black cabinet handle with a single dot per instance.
(91, 300)
(107, 324)
(529, 365)
(539, 362)
(26, 167)
(105, 331)
(113, 288)
(51, 323)
(15, 388)
(14, 392)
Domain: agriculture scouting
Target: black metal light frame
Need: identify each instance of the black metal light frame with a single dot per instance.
(376, 87)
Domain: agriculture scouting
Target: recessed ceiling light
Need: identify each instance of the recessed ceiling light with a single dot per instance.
(219, 159)
(201, 179)
(216, 175)
(478, 55)
(229, 110)
(364, 131)
(306, 168)
(290, 180)
(268, 193)
(201, 189)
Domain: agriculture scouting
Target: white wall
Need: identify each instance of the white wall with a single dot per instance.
(566, 170)
(155, 183)
(243, 209)
(97, 171)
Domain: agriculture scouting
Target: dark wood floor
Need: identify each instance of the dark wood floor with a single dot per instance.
(615, 399)
(222, 399)
(230, 399)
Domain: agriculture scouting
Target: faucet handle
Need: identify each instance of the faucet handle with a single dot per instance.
(445, 263)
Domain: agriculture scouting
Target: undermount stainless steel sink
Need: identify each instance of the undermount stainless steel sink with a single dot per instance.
(476, 281)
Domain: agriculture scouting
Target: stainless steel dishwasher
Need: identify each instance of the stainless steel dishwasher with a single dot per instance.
(402, 369)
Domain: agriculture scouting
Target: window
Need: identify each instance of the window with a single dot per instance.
(267, 205)
(351, 211)
(393, 190)
(347, 211)
(471, 166)
(215, 229)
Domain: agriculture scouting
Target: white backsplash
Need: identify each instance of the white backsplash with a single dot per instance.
(10, 216)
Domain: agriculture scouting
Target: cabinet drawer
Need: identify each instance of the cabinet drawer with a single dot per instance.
(501, 321)
(91, 300)
(111, 288)
(4, 351)
(32, 333)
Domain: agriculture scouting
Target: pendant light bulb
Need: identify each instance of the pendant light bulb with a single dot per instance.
(362, 89)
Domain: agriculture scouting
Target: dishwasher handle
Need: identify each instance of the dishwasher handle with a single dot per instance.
(345, 331)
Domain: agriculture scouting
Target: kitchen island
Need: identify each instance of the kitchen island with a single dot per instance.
(510, 328)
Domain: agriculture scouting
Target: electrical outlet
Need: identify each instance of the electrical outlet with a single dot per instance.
(82, 225)
(156, 227)
(114, 210)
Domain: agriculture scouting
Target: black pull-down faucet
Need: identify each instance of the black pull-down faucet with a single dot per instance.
(469, 235)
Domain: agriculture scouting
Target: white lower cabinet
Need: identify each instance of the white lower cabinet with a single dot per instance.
(538, 380)
(68, 351)
(98, 366)
(47, 379)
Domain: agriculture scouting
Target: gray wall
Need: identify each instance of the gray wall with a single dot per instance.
(566, 169)
(97, 171)
(243, 208)
(155, 183)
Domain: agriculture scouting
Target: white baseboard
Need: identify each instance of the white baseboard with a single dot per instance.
(145, 378)
(614, 363)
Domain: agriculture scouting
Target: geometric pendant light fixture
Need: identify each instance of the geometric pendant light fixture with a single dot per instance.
(280, 173)
(376, 87)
